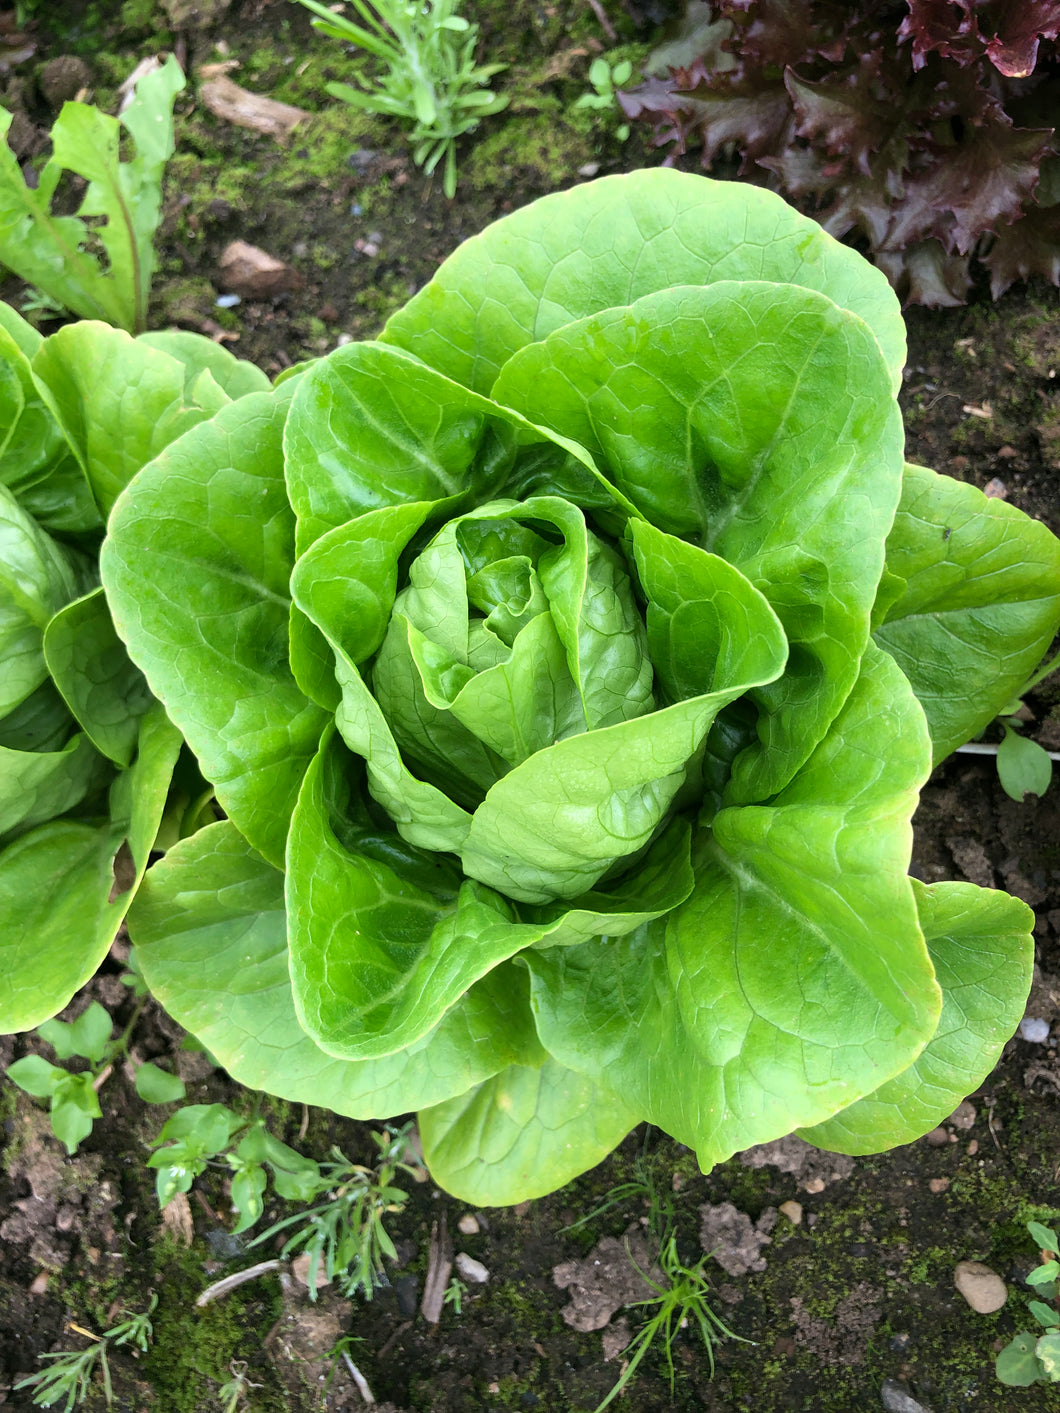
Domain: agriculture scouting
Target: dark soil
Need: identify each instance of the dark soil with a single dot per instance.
(860, 1290)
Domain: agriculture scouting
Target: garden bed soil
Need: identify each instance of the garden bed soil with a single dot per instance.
(855, 1284)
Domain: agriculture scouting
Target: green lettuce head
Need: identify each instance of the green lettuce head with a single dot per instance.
(568, 663)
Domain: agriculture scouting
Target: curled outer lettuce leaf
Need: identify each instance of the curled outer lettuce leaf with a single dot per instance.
(795, 978)
(208, 625)
(57, 882)
(983, 952)
(974, 601)
(210, 931)
(607, 243)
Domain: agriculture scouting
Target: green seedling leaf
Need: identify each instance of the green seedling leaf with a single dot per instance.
(88, 1036)
(1044, 1237)
(74, 1107)
(1017, 1365)
(1044, 1274)
(248, 1189)
(35, 1075)
(158, 1086)
(1046, 1315)
(1023, 767)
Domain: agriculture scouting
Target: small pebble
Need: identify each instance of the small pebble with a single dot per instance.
(467, 1225)
(937, 1138)
(793, 1212)
(939, 1184)
(1034, 1030)
(897, 1399)
(471, 1270)
(814, 1185)
(973, 1148)
(983, 1289)
(963, 1116)
(227, 301)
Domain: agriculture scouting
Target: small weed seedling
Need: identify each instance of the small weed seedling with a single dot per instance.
(1034, 1358)
(605, 79)
(431, 81)
(1023, 767)
(454, 1294)
(73, 1099)
(344, 1236)
(202, 1135)
(682, 1300)
(70, 1372)
(53, 253)
(238, 1386)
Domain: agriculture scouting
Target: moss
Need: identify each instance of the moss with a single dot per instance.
(322, 146)
(541, 150)
(192, 1348)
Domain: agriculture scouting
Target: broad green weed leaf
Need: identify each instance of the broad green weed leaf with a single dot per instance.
(221, 560)
(87, 1036)
(980, 604)
(1016, 1364)
(1044, 1237)
(522, 1133)
(46, 250)
(88, 663)
(74, 1106)
(982, 951)
(609, 242)
(1047, 1352)
(127, 194)
(210, 929)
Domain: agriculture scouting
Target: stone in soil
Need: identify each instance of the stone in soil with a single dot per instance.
(983, 1289)
(897, 1399)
